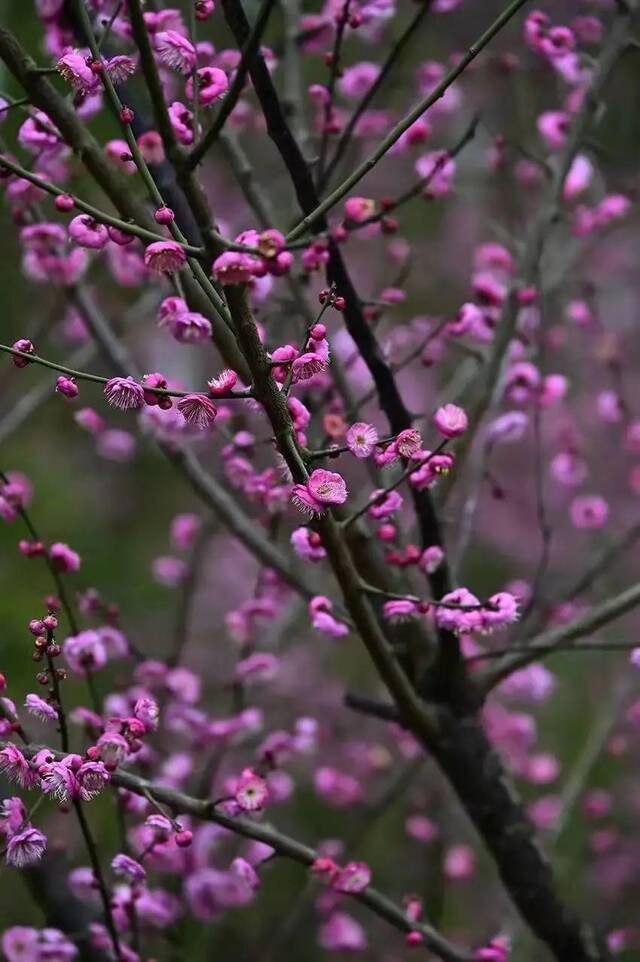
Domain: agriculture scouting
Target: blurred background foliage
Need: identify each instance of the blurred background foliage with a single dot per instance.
(118, 516)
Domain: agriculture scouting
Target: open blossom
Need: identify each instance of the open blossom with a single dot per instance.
(234, 267)
(124, 393)
(76, 71)
(307, 365)
(26, 847)
(322, 489)
(198, 410)
(58, 779)
(147, 711)
(165, 256)
(83, 651)
(499, 610)
(15, 767)
(223, 383)
(175, 51)
(408, 442)
(91, 778)
(112, 749)
(40, 708)
(459, 611)
(361, 439)
(212, 83)
(189, 327)
(451, 421)
(251, 793)
(353, 878)
(127, 867)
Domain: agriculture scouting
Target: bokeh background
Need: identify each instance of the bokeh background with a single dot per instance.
(118, 515)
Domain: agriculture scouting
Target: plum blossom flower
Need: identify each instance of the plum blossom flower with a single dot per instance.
(87, 232)
(198, 410)
(147, 711)
(342, 933)
(359, 209)
(322, 619)
(322, 489)
(91, 778)
(437, 169)
(188, 327)
(251, 792)
(307, 544)
(182, 121)
(451, 421)
(15, 767)
(398, 610)
(352, 878)
(175, 51)
(165, 256)
(124, 393)
(73, 67)
(58, 779)
(224, 383)
(234, 267)
(431, 559)
(64, 558)
(356, 80)
(384, 504)
(459, 611)
(500, 609)
(306, 366)
(40, 708)
(126, 867)
(361, 439)
(408, 443)
(211, 82)
(83, 651)
(26, 847)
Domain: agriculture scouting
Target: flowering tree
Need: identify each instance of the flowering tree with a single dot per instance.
(410, 512)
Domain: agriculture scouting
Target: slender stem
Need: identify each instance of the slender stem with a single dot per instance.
(391, 60)
(396, 132)
(233, 94)
(193, 35)
(105, 898)
(109, 26)
(420, 186)
(410, 469)
(343, 15)
(143, 169)
(99, 215)
(53, 571)
(99, 379)
(285, 846)
(555, 638)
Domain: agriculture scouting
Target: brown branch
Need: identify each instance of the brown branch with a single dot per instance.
(284, 845)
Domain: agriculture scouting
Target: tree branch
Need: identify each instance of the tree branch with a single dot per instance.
(561, 637)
